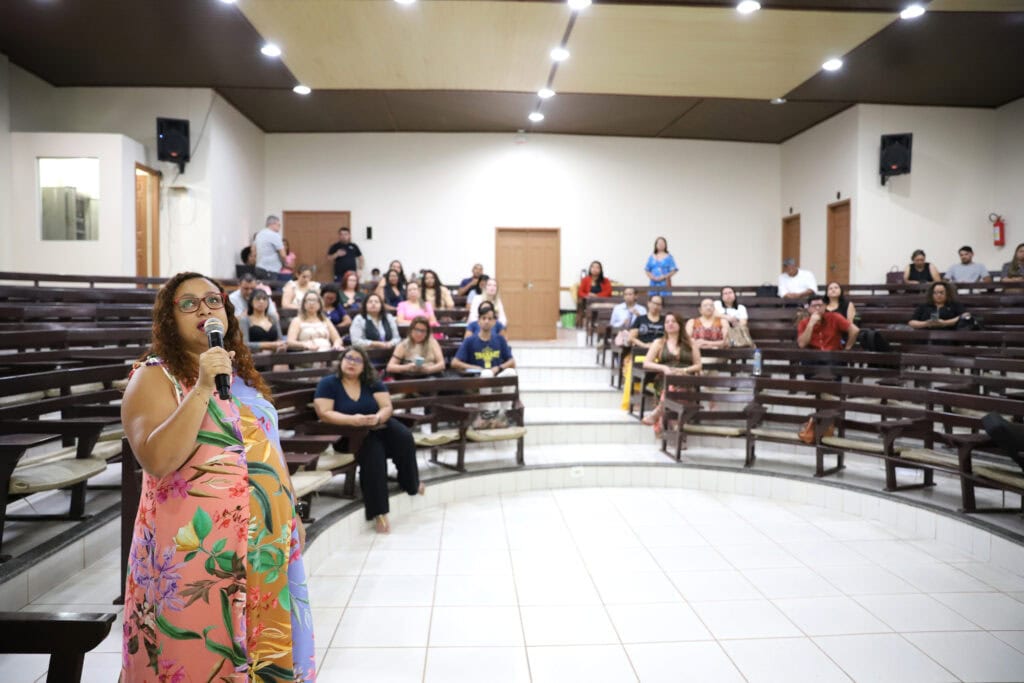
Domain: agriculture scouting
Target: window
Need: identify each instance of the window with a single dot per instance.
(69, 192)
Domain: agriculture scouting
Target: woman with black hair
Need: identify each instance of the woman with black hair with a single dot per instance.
(728, 306)
(660, 268)
(919, 270)
(374, 328)
(594, 283)
(940, 310)
(836, 301)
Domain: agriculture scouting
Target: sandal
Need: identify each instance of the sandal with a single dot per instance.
(382, 524)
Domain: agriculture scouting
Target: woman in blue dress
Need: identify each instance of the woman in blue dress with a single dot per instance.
(660, 268)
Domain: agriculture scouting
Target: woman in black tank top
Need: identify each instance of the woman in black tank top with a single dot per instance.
(920, 270)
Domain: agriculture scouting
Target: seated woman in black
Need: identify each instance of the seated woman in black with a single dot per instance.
(919, 270)
(355, 397)
(940, 311)
(392, 291)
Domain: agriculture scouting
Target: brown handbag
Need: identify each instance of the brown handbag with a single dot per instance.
(806, 433)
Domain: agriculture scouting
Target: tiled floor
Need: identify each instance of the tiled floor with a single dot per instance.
(621, 584)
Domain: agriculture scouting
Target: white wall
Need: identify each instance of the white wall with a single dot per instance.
(1009, 169)
(816, 166)
(114, 251)
(434, 200)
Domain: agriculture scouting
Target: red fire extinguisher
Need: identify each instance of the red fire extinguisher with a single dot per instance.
(998, 229)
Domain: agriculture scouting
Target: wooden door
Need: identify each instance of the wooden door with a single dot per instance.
(310, 233)
(527, 265)
(837, 251)
(791, 238)
(147, 221)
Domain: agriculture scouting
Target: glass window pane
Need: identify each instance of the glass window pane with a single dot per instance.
(69, 191)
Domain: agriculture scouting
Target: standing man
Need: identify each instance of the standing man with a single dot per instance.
(346, 255)
(270, 254)
(967, 270)
(796, 283)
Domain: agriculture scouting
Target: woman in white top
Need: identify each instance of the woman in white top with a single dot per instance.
(311, 330)
(295, 290)
(374, 328)
(490, 294)
(729, 307)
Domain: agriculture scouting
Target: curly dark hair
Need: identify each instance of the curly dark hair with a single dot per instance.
(368, 376)
(929, 297)
(168, 345)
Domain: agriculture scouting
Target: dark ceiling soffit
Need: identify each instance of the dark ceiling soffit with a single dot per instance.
(812, 125)
(785, 5)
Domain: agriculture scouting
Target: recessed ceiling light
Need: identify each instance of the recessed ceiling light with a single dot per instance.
(271, 50)
(778, 100)
(405, 2)
(545, 93)
(748, 6)
(833, 65)
(536, 116)
(302, 89)
(559, 54)
(577, 5)
(912, 12)
(228, 2)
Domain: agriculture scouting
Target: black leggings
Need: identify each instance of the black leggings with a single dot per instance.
(395, 442)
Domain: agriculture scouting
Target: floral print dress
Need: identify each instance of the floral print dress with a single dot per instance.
(216, 588)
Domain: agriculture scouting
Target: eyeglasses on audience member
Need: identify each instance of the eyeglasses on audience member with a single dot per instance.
(353, 359)
(190, 303)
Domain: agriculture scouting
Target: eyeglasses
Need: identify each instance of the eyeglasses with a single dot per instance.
(354, 360)
(190, 303)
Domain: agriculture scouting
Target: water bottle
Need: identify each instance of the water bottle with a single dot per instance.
(757, 362)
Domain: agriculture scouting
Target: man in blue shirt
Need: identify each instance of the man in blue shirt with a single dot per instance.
(485, 350)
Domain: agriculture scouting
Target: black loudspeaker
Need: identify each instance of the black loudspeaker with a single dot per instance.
(172, 141)
(894, 158)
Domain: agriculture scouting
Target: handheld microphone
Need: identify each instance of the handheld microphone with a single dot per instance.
(215, 335)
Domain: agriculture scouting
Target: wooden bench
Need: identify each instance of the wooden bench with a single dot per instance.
(65, 636)
(691, 406)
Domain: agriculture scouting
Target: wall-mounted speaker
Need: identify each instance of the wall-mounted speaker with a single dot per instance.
(894, 159)
(172, 141)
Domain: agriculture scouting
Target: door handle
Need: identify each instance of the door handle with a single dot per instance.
(529, 285)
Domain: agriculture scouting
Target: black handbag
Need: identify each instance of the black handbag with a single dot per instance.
(767, 290)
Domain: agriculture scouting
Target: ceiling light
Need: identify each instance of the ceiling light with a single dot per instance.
(559, 54)
(545, 93)
(228, 2)
(912, 12)
(748, 6)
(302, 89)
(778, 100)
(833, 65)
(405, 2)
(271, 50)
(536, 116)
(577, 5)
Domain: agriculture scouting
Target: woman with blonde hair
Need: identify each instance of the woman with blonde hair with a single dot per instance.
(490, 295)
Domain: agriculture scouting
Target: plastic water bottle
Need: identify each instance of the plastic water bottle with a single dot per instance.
(757, 362)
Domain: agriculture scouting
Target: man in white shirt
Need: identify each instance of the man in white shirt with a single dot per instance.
(968, 270)
(626, 312)
(796, 283)
(240, 297)
(270, 254)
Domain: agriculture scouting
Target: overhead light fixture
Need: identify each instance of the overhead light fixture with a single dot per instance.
(302, 89)
(577, 5)
(545, 93)
(405, 2)
(228, 2)
(748, 6)
(559, 54)
(833, 64)
(271, 50)
(778, 100)
(536, 116)
(912, 12)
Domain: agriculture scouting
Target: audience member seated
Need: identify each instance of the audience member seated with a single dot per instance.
(371, 284)
(660, 268)
(374, 328)
(474, 328)
(295, 290)
(940, 310)
(289, 258)
(240, 297)
(1014, 270)
(594, 283)
(967, 270)
(920, 270)
(310, 329)
(823, 330)
(645, 330)
(492, 297)
(414, 307)
(387, 438)
(672, 354)
(473, 281)
(350, 298)
(708, 331)
(728, 306)
(477, 291)
(485, 350)
(396, 266)
(335, 313)
(796, 283)
(261, 330)
(836, 301)
(434, 292)
(626, 312)
(391, 290)
(418, 354)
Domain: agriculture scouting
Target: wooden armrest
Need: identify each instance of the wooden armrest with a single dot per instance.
(301, 461)
(967, 439)
(45, 632)
(903, 424)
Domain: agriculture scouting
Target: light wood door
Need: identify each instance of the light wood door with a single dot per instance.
(310, 233)
(837, 251)
(147, 221)
(791, 238)
(527, 265)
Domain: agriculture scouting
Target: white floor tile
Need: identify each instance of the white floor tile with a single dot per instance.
(567, 625)
(325, 622)
(905, 613)
(394, 665)
(657, 623)
(343, 563)
(883, 658)
(783, 661)
(475, 664)
(636, 588)
(475, 561)
(758, 556)
(865, 580)
(591, 663)
(973, 656)
(696, 662)
(940, 578)
(483, 589)
(1013, 638)
(830, 616)
(556, 589)
(690, 558)
(27, 668)
(704, 586)
(98, 666)
(789, 582)
(619, 561)
(400, 562)
(996, 577)
(330, 591)
(745, 619)
(476, 626)
(393, 591)
(991, 611)
(383, 627)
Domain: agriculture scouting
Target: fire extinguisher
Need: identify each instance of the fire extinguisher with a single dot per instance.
(998, 229)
